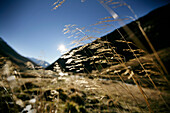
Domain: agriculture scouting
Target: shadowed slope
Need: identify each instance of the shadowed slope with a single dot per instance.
(101, 52)
(11, 54)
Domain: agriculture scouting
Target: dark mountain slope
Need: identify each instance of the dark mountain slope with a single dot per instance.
(12, 55)
(112, 49)
(155, 25)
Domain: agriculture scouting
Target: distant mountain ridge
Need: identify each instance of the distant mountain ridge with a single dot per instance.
(39, 62)
(99, 53)
(9, 53)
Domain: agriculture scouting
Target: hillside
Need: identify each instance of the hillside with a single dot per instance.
(8, 53)
(105, 51)
(104, 76)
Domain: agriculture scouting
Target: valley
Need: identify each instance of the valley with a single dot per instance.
(112, 74)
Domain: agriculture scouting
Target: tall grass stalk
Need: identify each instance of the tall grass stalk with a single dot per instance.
(135, 39)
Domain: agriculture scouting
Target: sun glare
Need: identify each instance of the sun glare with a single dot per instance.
(62, 48)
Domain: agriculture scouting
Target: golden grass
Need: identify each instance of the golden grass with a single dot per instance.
(103, 90)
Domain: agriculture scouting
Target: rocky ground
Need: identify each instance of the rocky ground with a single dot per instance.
(43, 91)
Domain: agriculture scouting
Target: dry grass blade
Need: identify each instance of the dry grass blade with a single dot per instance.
(110, 74)
(58, 4)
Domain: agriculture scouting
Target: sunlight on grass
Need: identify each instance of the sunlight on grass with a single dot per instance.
(111, 74)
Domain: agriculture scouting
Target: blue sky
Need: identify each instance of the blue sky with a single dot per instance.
(33, 29)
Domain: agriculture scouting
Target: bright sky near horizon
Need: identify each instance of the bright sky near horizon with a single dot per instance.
(33, 29)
